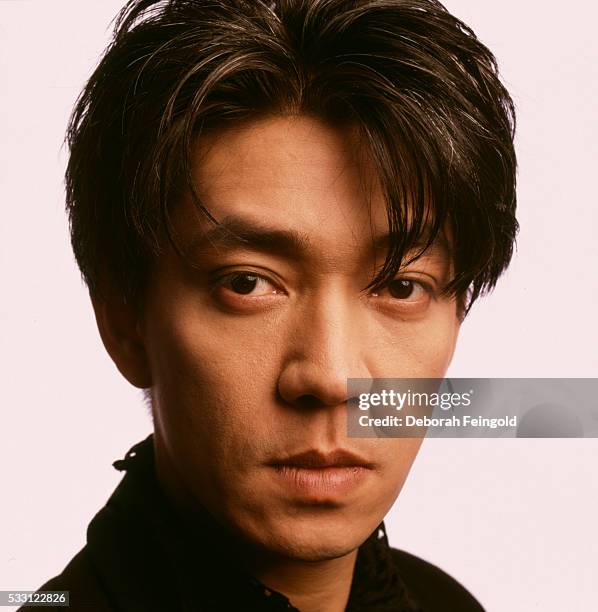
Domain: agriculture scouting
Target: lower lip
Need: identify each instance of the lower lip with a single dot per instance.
(321, 484)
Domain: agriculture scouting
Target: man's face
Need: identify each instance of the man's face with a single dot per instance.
(250, 343)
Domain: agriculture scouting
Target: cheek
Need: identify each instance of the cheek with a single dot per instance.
(399, 455)
(437, 344)
(416, 349)
(206, 381)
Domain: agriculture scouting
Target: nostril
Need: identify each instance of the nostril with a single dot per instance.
(309, 401)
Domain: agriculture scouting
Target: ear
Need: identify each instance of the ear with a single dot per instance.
(119, 326)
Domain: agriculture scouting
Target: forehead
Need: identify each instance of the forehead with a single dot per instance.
(280, 149)
(290, 170)
(288, 174)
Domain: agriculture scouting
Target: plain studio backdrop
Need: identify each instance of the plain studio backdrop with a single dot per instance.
(514, 520)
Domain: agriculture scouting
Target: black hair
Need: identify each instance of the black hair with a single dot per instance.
(423, 91)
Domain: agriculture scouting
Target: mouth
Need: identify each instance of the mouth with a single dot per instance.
(318, 477)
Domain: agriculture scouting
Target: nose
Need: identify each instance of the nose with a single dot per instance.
(326, 348)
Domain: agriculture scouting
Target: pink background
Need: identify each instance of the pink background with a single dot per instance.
(514, 520)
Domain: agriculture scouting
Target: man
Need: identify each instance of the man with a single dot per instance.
(267, 199)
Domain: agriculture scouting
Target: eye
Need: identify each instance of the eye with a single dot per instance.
(246, 283)
(406, 290)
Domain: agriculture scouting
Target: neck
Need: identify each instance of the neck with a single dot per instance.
(311, 586)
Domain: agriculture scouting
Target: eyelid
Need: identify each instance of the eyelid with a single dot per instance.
(229, 271)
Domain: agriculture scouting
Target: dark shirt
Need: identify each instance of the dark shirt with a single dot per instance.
(141, 556)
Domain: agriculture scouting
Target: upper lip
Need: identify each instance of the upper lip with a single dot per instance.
(320, 459)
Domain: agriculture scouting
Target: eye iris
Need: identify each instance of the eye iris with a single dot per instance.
(401, 289)
(243, 283)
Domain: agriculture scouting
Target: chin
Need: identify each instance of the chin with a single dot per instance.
(315, 538)
(313, 549)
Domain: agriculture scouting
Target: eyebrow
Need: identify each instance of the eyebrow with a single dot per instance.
(238, 232)
(235, 232)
